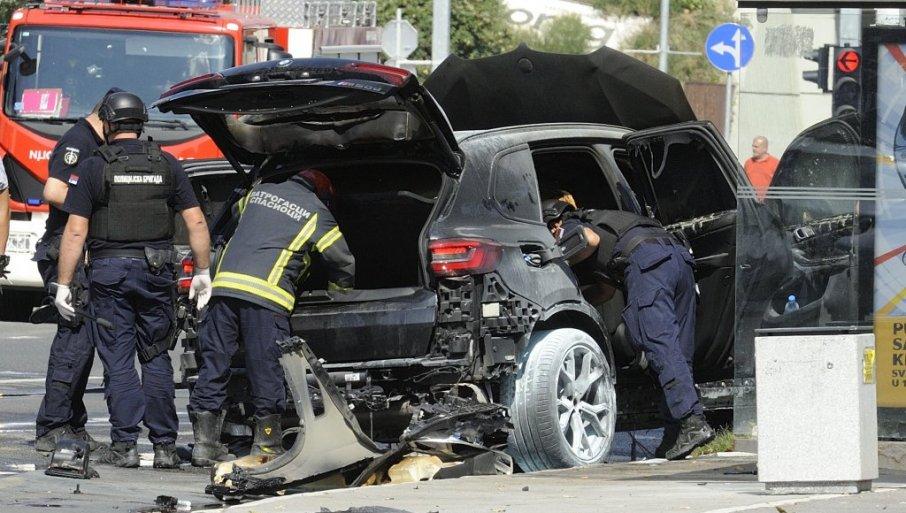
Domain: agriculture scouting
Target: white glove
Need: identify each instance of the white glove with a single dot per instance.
(201, 287)
(63, 302)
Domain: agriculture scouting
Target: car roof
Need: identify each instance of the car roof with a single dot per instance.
(565, 130)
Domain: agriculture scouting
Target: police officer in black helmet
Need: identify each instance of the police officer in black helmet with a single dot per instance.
(634, 253)
(124, 205)
(62, 413)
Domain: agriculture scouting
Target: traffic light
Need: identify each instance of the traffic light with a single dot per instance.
(847, 92)
(819, 76)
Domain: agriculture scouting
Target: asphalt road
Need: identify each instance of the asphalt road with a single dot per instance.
(24, 349)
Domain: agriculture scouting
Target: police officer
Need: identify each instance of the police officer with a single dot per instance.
(124, 205)
(62, 412)
(282, 226)
(655, 269)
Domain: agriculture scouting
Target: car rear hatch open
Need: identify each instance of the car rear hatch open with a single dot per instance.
(385, 144)
(322, 108)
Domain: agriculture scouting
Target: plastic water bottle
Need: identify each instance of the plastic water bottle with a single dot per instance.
(791, 304)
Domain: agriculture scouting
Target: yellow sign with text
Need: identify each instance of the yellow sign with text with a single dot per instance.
(890, 343)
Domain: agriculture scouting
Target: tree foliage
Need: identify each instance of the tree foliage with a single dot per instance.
(478, 28)
(563, 34)
(7, 7)
(690, 23)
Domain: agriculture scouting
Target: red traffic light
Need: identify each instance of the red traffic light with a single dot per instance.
(848, 61)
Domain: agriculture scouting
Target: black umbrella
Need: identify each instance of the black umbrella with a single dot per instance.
(525, 86)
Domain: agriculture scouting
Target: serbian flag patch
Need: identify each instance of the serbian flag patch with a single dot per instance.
(73, 179)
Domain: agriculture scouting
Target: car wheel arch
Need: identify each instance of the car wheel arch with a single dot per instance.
(574, 315)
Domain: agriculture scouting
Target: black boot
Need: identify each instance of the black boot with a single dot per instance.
(81, 434)
(120, 454)
(207, 449)
(671, 432)
(47, 442)
(165, 456)
(694, 432)
(268, 436)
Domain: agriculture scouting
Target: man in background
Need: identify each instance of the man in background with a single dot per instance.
(760, 167)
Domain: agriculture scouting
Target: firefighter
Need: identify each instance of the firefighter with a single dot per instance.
(62, 413)
(125, 205)
(655, 269)
(281, 226)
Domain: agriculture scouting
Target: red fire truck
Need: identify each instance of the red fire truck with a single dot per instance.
(61, 56)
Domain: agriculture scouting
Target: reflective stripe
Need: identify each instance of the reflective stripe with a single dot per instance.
(301, 238)
(244, 201)
(254, 286)
(328, 239)
(333, 287)
(222, 255)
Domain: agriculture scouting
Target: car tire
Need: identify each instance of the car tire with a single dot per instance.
(553, 422)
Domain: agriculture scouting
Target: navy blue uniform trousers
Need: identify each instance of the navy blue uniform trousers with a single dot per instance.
(68, 367)
(226, 322)
(139, 303)
(660, 316)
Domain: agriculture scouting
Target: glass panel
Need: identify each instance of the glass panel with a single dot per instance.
(811, 224)
(515, 186)
(72, 68)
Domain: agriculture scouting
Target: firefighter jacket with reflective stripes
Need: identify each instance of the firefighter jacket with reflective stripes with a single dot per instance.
(269, 254)
(137, 187)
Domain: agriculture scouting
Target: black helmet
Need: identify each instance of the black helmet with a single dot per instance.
(554, 209)
(123, 107)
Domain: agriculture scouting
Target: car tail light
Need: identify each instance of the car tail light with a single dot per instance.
(461, 257)
(213, 79)
(391, 75)
(185, 279)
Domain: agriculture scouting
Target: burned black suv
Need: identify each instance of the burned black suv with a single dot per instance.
(460, 287)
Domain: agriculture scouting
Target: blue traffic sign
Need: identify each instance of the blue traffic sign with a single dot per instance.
(730, 47)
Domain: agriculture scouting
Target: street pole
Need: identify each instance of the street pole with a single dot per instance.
(399, 37)
(728, 105)
(440, 32)
(664, 46)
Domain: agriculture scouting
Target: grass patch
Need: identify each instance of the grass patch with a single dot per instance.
(723, 442)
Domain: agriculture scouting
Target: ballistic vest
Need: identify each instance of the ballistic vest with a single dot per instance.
(270, 251)
(614, 249)
(136, 192)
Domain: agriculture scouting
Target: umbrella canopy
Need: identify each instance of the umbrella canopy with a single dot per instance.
(525, 86)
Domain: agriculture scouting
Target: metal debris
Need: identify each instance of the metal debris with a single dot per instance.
(70, 459)
(451, 438)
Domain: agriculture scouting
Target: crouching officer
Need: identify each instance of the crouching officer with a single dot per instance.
(62, 413)
(124, 205)
(655, 269)
(281, 225)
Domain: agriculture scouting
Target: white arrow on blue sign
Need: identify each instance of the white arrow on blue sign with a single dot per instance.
(730, 47)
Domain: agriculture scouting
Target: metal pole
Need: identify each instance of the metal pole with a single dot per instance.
(664, 46)
(399, 37)
(849, 27)
(440, 32)
(728, 105)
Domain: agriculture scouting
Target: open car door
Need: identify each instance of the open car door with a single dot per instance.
(686, 176)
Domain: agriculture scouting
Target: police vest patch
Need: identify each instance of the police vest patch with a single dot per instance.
(138, 179)
(71, 156)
